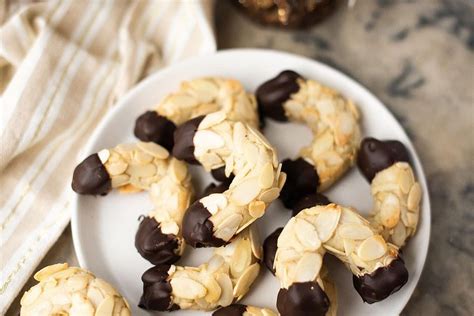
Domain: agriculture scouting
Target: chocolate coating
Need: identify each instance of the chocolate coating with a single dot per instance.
(302, 299)
(270, 248)
(213, 188)
(273, 93)
(301, 179)
(308, 201)
(198, 230)
(91, 177)
(157, 290)
(153, 245)
(231, 310)
(152, 127)
(375, 155)
(381, 283)
(219, 175)
(183, 148)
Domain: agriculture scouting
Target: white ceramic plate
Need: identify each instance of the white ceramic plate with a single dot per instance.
(104, 227)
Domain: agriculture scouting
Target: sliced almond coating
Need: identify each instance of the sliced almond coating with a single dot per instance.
(260, 137)
(130, 188)
(225, 284)
(142, 157)
(76, 283)
(104, 155)
(255, 242)
(214, 202)
(399, 235)
(414, 197)
(60, 299)
(266, 176)
(250, 153)
(182, 100)
(287, 255)
(213, 289)
(269, 195)
(125, 312)
(257, 209)
(238, 135)
(246, 279)
(372, 248)
(307, 235)
(212, 119)
(326, 223)
(179, 170)
(412, 219)
(308, 267)
(44, 273)
(80, 306)
(187, 288)
(215, 263)
(147, 170)
(241, 258)
(31, 295)
(169, 228)
(355, 231)
(207, 139)
(246, 191)
(405, 181)
(94, 295)
(104, 287)
(228, 227)
(116, 168)
(358, 261)
(106, 307)
(153, 149)
(281, 180)
(120, 180)
(390, 211)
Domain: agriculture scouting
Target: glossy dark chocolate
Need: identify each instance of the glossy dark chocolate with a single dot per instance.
(301, 180)
(381, 283)
(303, 299)
(273, 93)
(219, 175)
(153, 245)
(375, 155)
(157, 290)
(183, 148)
(91, 177)
(270, 248)
(308, 201)
(152, 127)
(213, 188)
(198, 229)
(231, 310)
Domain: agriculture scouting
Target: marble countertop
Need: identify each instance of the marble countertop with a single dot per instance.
(418, 58)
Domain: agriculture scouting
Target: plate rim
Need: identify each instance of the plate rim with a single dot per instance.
(126, 98)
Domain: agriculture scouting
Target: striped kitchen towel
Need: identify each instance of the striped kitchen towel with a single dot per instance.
(63, 64)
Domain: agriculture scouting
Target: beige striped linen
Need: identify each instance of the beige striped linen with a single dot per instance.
(63, 64)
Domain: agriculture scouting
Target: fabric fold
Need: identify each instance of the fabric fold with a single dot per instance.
(63, 64)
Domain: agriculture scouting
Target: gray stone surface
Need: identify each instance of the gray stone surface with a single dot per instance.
(418, 58)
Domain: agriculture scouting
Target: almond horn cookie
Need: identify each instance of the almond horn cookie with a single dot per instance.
(333, 120)
(149, 167)
(64, 290)
(224, 279)
(195, 98)
(396, 193)
(341, 231)
(327, 307)
(214, 141)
